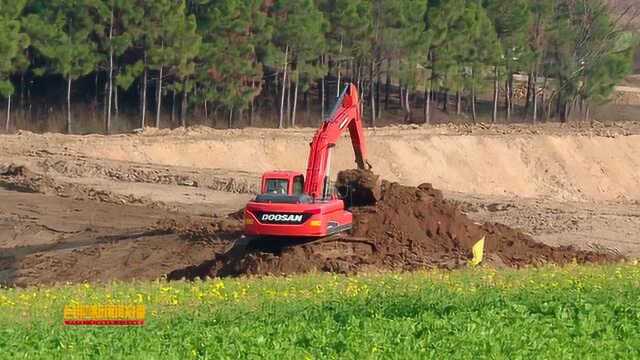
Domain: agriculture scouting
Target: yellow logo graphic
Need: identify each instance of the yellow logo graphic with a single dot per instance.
(104, 314)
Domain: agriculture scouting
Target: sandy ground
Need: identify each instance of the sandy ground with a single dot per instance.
(98, 218)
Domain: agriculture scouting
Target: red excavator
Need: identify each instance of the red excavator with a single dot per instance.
(291, 205)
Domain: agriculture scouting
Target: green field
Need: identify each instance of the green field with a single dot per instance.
(551, 313)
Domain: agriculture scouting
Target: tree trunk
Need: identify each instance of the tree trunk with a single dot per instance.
(407, 117)
(104, 101)
(7, 123)
(378, 79)
(107, 127)
(295, 104)
(445, 101)
(339, 73)
(363, 94)
(173, 107)
(252, 103)
(427, 102)
(373, 105)
(307, 106)
(511, 106)
(473, 104)
(494, 115)
(21, 104)
(507, 101)
(458, 103)
(543, 98)
(373, 96)
(183, 108)
(288, 101)
(549, 102)
(144, 92)
(29, 104)
(535, 98)
(69, 105)
(357, 76)
(322, 102)
(95, 109)
(587, 113)
(284, 86)
(115, 102)
(530, 82)
(387, 85)
(159, 97)
(230, 120)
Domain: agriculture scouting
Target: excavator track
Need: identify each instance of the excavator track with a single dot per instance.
(336, 245)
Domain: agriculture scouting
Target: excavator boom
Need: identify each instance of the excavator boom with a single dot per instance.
(345, 115)
(291, 205)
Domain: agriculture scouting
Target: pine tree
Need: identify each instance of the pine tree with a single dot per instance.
(481, 50)
(440, 24)
(176, 44)
(120, 32)
(542, 12)
(61, 32)
(350, 32)
(13, 41)
(589, 54)
(512, 19)
(410, 35)
(230, 73)
(299, 33)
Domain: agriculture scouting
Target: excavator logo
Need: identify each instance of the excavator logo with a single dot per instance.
(282, 218)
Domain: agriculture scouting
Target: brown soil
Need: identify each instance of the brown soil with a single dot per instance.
(399, 228)
(93, 208)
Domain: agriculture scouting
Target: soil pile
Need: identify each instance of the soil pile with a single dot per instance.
(417, 226)
(20, 178)
(395, 227)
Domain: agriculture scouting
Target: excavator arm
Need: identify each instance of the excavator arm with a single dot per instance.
(345, 115)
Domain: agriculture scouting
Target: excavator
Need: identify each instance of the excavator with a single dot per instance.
(291, 205)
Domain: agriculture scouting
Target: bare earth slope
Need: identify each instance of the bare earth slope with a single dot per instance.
(143, 206)
(546, 161)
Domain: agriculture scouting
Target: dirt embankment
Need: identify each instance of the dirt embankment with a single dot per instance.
(562, 163)
(395, 228)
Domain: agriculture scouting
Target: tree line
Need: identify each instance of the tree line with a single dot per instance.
(229, 56)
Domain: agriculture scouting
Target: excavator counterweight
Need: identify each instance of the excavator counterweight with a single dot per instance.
(292, 205)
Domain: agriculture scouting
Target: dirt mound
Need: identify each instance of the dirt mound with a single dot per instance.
(411, 225)
(20, 178)
(402, 228)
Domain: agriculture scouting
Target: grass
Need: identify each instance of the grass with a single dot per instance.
(550, 313)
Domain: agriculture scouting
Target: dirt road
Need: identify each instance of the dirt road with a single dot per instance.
(100, 208)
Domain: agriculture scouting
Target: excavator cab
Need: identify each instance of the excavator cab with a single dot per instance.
(289, 183)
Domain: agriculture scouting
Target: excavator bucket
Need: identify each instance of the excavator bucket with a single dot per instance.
(358, 187)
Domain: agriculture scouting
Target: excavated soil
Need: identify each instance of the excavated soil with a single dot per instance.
(95, 208)
(396, 227)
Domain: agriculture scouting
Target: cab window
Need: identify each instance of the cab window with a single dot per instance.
(298, 185)
(277, 186)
